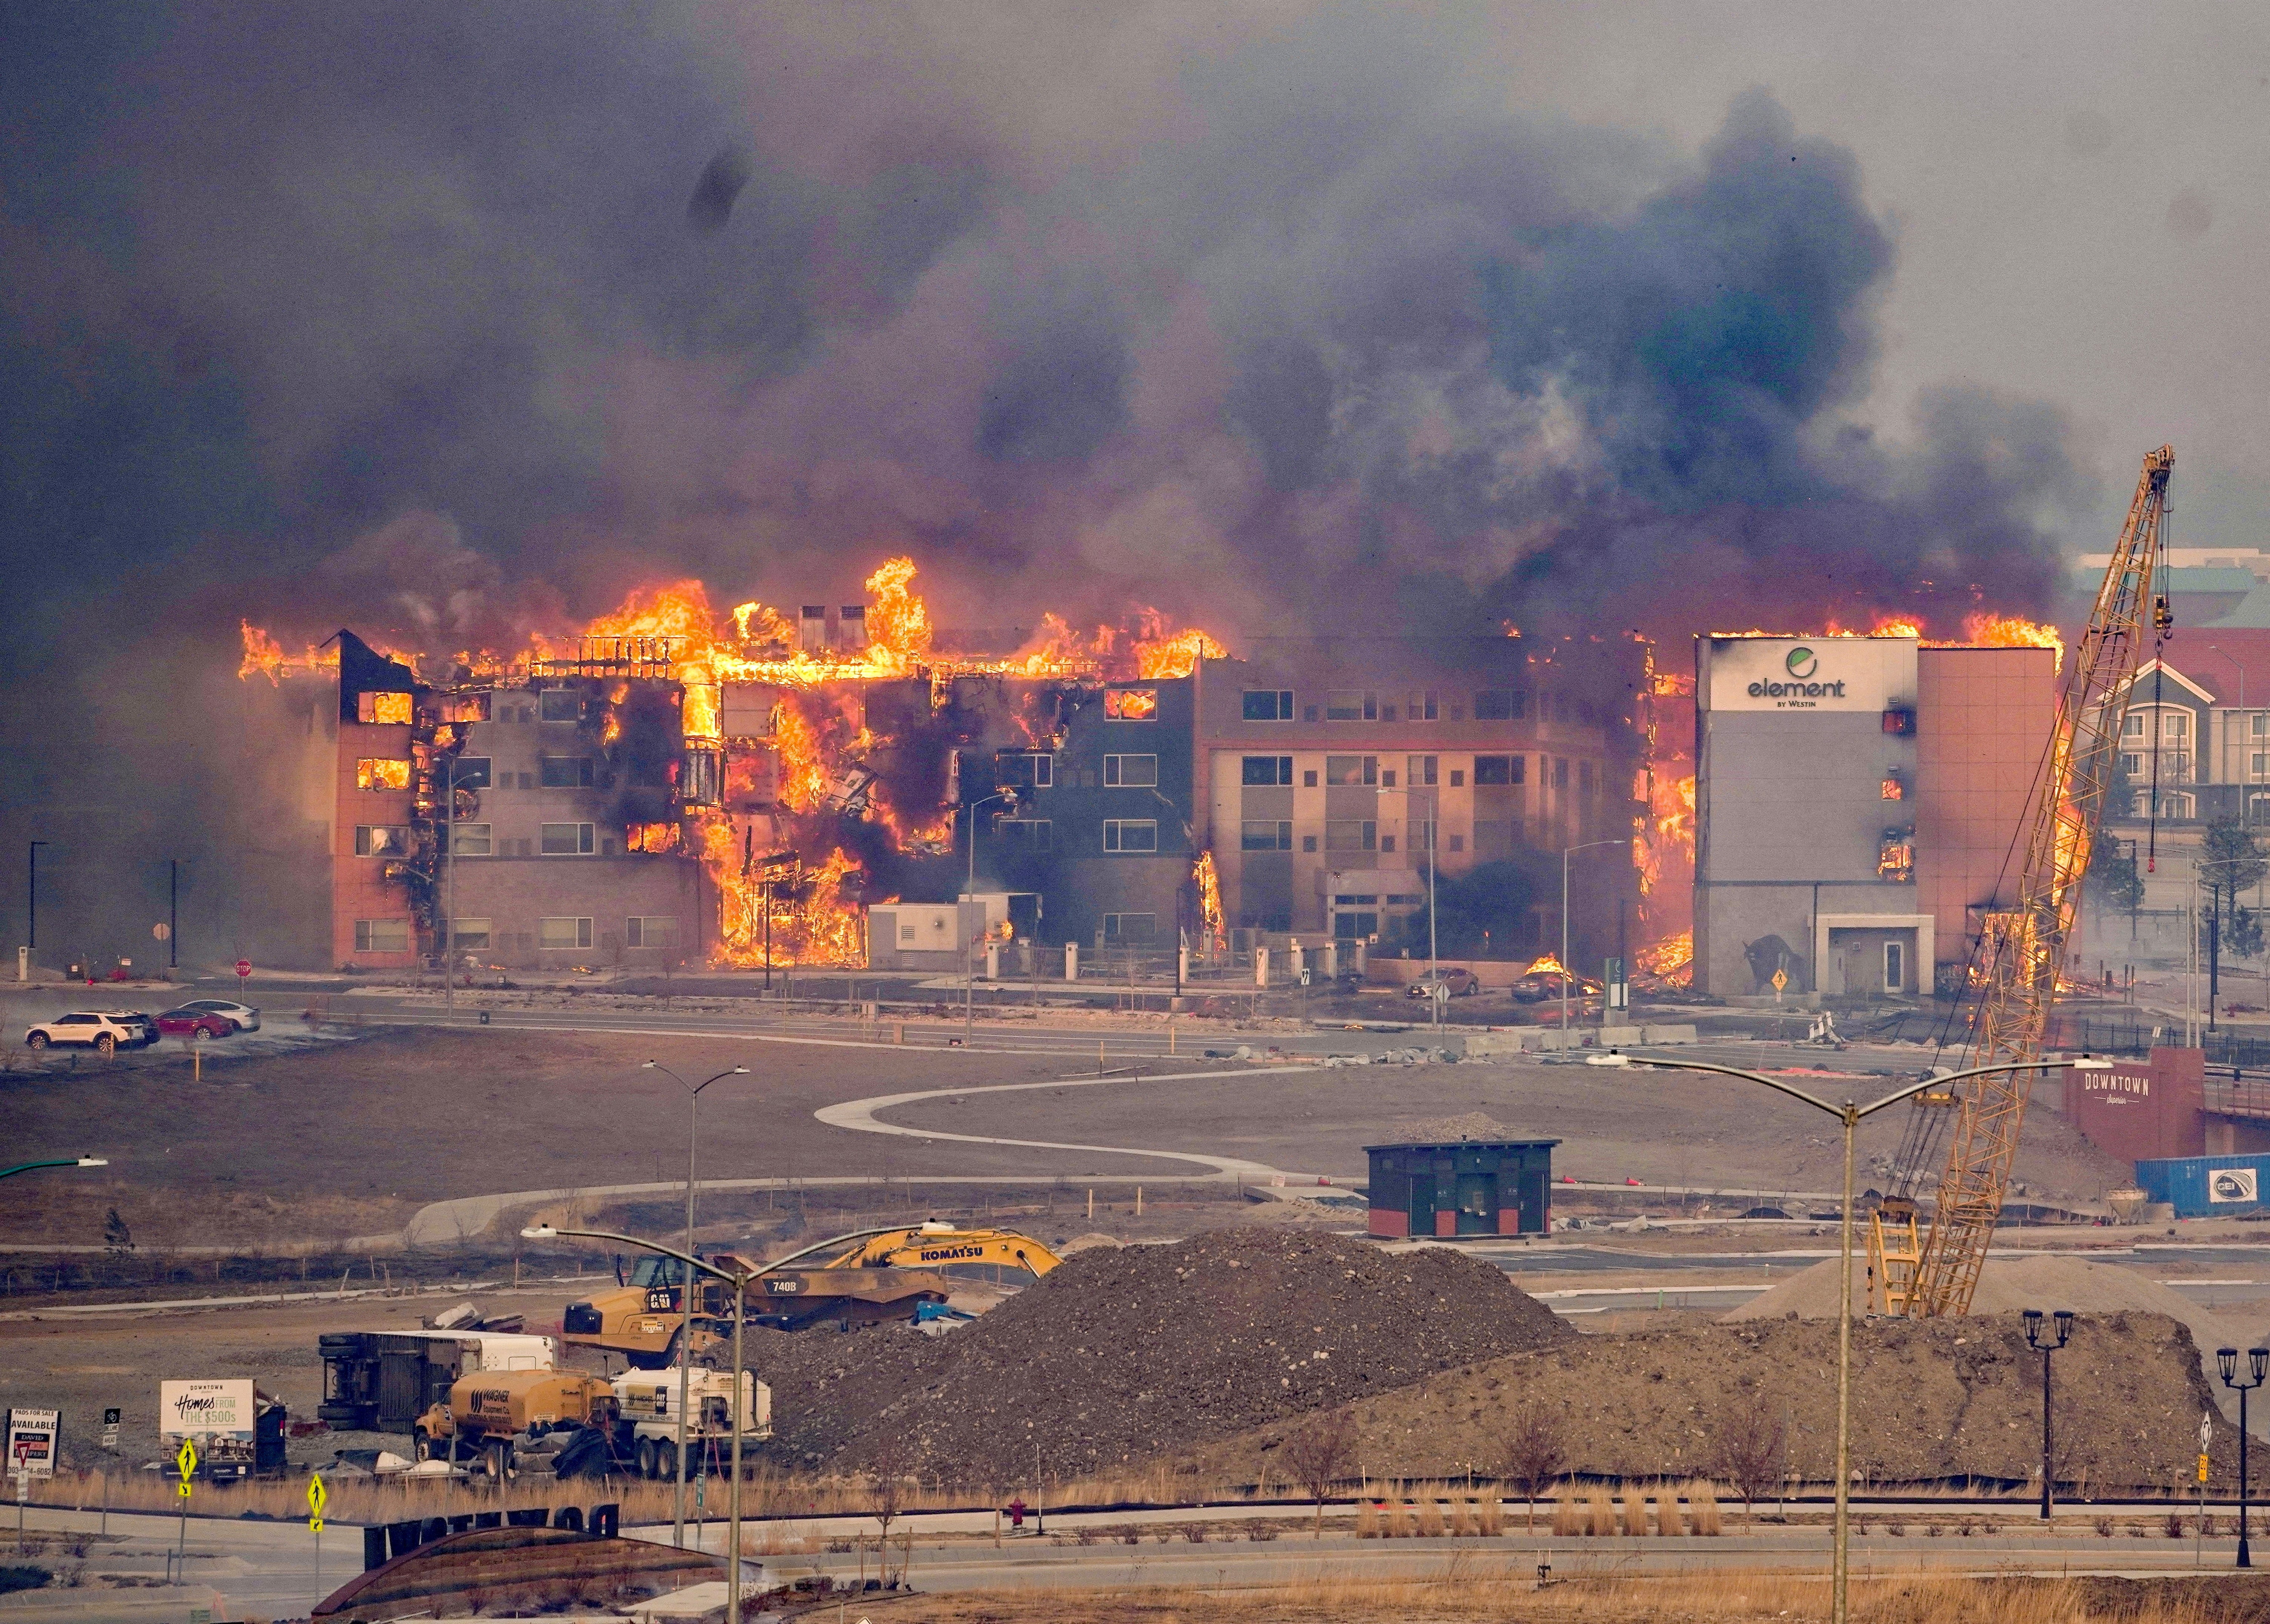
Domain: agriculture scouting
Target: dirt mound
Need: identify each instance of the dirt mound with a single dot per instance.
(1120, 1356)
(2011, 1285)
(1454, 1130)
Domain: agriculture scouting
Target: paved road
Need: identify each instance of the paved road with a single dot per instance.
(270, 1569)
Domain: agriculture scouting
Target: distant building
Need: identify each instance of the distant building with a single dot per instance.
(1461, 1187)
(1330, 768)
(1858, 803)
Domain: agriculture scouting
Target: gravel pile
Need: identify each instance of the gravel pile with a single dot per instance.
(1122, 1357)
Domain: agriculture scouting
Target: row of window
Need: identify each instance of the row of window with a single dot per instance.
(1362, 834)
(558, 935)
(1418, 771)
(1419, 704)
(552, 705)
(1120, 834)
(473, 773)
(478, 840)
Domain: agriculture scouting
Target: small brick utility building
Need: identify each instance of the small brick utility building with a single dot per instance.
(1461, 1187)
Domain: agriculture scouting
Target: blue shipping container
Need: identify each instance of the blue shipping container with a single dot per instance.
(2206, 1186)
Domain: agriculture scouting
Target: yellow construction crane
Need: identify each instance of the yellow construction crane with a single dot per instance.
(2022, 948)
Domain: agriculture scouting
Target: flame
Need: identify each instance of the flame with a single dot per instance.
(898, 626)
(1668, 683)
(1161, 651)
(1548, 965)
(1208, 881)
(1671, 960)
(2013, 632)
(264, 657)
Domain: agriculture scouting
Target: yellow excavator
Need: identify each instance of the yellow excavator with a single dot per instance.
(863, 1277)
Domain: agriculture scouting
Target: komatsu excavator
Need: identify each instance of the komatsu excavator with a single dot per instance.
(863, 1277)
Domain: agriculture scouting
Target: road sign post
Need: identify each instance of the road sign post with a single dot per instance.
(317, 1498)
(187, 1461)
(243, 971)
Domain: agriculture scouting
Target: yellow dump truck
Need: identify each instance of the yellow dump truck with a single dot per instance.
(865, 1277)
(486, 1411)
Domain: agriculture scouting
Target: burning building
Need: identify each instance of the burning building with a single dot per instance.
(1859, 798)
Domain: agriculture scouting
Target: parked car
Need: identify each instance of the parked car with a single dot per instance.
(192, 1022)
(1460, 981)
(99, 1029)
(1542, 986)
(243, 1016)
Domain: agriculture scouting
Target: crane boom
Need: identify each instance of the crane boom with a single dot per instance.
(2022, 948)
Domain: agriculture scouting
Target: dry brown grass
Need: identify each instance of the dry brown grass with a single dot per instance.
(1469, 1590)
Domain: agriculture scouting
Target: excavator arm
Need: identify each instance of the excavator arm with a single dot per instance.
(922, 1246)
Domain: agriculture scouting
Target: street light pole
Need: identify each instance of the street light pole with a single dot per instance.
(1848, 1114)
(449, 883)
(740, 1280)
(685, 1288)
(31, 897)
(60, 1161)
(2257, 1359)
(173, 915)
(2036, 1341)
(1565, 853)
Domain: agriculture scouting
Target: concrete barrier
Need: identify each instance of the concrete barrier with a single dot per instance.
(1667, 1034)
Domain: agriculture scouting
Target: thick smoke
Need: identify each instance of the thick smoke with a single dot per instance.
(400, 316)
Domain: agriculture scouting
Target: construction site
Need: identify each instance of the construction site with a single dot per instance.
(1284, 815)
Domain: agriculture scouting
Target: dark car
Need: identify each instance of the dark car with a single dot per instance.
(1457, 980)
(195, 1023)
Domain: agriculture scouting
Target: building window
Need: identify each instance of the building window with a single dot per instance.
(1023, 834)
(1387, 842)
(1893, 788)
(1895, 857)
(1351, 705)
(563, 935)
(2132, 765)
(381, 839)
(467, 840)
(381, 773)
(1132, 704)
(1130, 772)
(1418, 770)
(1422, 833)
(2259, 724)
(2177, 725)
(1493, 770)
(1560, 773)
(561, 705)
(467, 772)
(381, 936)
(650, 930)
(1356, 927)
(1500, 705)
(1348, 772)
(1307, 778)
(2257, 764)
(1421, 707)
(1129, 927)
(1352, 835)
(1268, 770)
(1356, 900)
(383, 708)
(1457, 842)
(464, 707)
(1023, 769)
(1263, 835)
(468, 935)
(564, 772)
(1268, 704)
(1307, 842)
(2131, 725)
(1458, 780)
(564, 840)
(1130, 834)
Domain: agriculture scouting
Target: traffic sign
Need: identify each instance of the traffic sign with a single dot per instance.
(317, 1498)
(111, 1418)
(186, 1460)
(243, 968)
(1780, 980)
(161, 930)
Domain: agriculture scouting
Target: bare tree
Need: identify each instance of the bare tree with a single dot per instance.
(1318, 1453)
(888, 1498)
(1534, 1453)
(1748, 1445)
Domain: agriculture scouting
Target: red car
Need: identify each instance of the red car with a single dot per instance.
(195, 1023)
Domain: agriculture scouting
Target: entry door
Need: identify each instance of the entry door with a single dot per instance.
(1896, 966)
(1477, 1213)
(1422, 1203)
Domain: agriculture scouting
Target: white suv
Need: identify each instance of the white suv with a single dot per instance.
(104, 1030)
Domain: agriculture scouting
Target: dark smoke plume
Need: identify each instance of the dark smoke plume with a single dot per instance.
(390, 315)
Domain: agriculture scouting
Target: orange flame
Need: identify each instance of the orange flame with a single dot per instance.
(2014, 631)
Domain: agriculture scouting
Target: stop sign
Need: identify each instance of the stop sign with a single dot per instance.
(244, 966)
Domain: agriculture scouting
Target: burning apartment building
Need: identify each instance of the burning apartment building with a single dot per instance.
(673, 786)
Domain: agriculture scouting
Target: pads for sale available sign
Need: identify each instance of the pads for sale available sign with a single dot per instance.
(31, 1442)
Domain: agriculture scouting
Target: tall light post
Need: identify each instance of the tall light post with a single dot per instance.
(1849, 1115)
(2258, 1360)
(450, 885)
(31, 897)
(2039, 1339)
(739, 1281)
(1566, 852)
(60, 1161)
(686, 1288)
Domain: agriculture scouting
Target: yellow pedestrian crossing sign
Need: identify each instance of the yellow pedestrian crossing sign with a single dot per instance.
(316, 1499)
(186, 1460)
(1780, 980)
